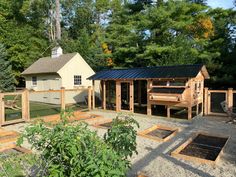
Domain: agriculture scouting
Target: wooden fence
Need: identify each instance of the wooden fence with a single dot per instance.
(25, 102)
(214, 98)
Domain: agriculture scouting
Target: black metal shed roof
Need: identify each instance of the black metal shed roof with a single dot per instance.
(179, 71)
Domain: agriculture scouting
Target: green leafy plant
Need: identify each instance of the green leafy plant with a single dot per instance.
(122, 135)
(67, 150)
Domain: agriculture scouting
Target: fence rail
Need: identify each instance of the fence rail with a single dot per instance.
(20, 104)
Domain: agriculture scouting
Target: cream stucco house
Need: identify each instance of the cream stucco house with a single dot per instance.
(60, 70)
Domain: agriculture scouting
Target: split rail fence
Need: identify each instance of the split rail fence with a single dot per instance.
(22, 106)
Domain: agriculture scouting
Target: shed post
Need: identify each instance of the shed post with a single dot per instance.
(230, 97)
(205, 109)
(25, 105)
(93, 95)
(104, 95)
(189, 113)
(131, 94)
(139, 93)
(197, 109)
(2, 109)
(168, 111)
(149, 106)
(63, 104)
(118, 96)
(89, 97)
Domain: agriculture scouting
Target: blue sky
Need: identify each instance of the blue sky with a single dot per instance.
(221, 3)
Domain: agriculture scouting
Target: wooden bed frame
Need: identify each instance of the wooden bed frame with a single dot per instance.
(144, 133)
(14, 146)
(176, 153)
(14, 134)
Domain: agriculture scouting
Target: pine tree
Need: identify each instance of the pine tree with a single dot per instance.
(6, 75)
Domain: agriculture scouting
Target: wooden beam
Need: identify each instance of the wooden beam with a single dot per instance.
(131, 94)
(230, 97)
(168, 112)
(205, 108)
(89, 98)
(63, 103)
(118, 96)
(93, 95)
(197, 109)
(189, 113)
(104, 95)
(149, 106)
(25, 105)
(139, 93)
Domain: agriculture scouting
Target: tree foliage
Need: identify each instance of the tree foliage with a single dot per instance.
(6, 76)
(136, 33)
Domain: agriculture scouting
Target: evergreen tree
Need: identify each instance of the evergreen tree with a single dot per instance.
(6, 75)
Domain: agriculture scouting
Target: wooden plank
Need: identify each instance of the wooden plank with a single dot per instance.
(160, 86)
(131, 95)
(217, 91)
(149, 106)
(93, 94)
(118, 96)
(89, 98)
(139, 94)
(63, 104)
(45, 91)
(205, 109)
(104, 95)
(230, 97)
(168, 112)
(14, 146)
(25, 105)
(189, 113)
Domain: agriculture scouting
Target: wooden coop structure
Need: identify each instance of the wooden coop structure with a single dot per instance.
(137, 89)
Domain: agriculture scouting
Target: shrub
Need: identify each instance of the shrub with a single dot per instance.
(122, 135)
(67, 150)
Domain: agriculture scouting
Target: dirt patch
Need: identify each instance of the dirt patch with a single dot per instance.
(160, 133)
(205, 147)
(106, 125)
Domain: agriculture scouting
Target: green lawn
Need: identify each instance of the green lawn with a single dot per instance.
(38, 109)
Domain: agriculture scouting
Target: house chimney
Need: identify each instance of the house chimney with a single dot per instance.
(56, 52)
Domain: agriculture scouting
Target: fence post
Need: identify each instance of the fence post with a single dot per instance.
(25, 104)
(2, 109)
(89, 97)
(63, 104)
(205, 101)
(230, 97)
(94, 97)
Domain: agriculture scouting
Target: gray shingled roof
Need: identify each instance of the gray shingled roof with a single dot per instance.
(48, 64)
(178, 71)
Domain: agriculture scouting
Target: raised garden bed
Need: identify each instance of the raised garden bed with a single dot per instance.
(202, 148)
(159, 133)
(105, 125)
(12, 149)
(8, 136)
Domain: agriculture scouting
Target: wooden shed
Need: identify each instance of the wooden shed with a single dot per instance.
(137, 89)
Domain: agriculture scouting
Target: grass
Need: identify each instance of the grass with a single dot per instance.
(16, 165)
(38, 109)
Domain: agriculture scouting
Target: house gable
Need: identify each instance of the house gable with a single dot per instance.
(77, 66)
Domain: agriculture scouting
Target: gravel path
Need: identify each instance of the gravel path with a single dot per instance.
(154, 158)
